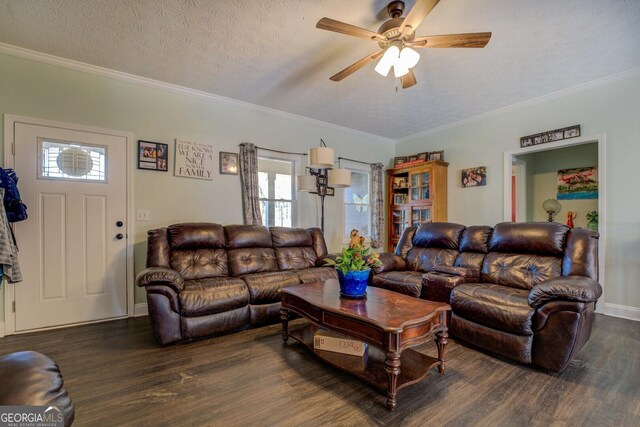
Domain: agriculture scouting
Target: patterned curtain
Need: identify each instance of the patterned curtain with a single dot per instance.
(377, 206)
(250, 186)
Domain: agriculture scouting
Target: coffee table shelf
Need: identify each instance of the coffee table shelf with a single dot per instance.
(414, 365)
(388, 321)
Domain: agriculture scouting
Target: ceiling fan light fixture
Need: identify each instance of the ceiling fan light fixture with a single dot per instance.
(400, 70)
(388, 60)
(409, 57)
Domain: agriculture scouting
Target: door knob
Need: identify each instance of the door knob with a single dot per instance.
(119, 224)
(119, 236)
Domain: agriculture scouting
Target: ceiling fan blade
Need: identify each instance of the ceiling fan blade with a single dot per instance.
(408, 80)
(348, 29)
(453, 40)
(355, 66)
(415, 16)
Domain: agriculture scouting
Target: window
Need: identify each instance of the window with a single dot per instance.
(357, 207)
(275, 178)
(72, 161)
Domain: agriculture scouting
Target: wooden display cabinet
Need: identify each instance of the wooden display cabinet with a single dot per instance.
(416, 194)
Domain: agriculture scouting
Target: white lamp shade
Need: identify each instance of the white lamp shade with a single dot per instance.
(306, 182)
(339, 178)
(320, 157)
(400, 70)
(389, 58)
(409, 57)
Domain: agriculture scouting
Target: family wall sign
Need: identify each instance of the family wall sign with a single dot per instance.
(193, 160)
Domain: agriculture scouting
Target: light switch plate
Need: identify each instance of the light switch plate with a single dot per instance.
(142, 215)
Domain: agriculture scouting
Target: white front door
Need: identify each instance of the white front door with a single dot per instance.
(72, 248)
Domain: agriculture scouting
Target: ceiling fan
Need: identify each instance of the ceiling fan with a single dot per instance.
(397, 39)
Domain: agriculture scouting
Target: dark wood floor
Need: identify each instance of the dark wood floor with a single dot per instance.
(117, 375)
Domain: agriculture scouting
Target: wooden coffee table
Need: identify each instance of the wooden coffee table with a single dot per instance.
(389, 321)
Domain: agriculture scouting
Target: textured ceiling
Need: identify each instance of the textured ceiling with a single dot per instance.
(269, 53)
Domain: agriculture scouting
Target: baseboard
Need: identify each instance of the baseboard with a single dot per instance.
(140, 309)
(623, 311)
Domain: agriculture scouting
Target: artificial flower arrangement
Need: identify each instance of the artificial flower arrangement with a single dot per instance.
(355, 257)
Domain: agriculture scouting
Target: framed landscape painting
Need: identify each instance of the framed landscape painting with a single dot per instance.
(578, 183)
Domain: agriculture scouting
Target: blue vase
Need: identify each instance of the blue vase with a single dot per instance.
(354, 283)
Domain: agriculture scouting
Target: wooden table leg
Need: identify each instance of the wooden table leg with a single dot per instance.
(392, 366)
(284, 316)
(441, 341)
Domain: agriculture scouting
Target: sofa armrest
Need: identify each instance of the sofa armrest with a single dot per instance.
(569, 288)
(160, 276)
(320, 262)
(390, 262)
(464, 272)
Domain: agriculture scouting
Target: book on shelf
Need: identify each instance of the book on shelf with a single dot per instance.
(330, 341)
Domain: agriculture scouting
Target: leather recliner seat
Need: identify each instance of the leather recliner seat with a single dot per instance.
(203, 278)
(526, 291)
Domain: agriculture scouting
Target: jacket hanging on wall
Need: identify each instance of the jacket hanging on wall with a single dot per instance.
(9, 267)
(15, 209)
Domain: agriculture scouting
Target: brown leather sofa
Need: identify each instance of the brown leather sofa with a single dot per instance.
(203, 279)
(526, 291)
(29, 378)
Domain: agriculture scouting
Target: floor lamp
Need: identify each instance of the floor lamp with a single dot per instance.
(322, 178)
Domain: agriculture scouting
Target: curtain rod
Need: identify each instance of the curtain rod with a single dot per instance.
(281, 152)
(357, 161)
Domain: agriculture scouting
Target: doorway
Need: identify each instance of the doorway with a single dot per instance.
(521, 154)
(73, 248)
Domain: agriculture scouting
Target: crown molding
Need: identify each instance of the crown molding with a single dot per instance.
(633, 72)
(144, 81)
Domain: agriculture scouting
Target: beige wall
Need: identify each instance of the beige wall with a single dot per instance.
(34, 89)
(611, 108)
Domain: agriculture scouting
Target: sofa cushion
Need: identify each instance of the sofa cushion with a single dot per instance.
(404, 282)
(498, 307)
(247, 236)
(194, 235)
(265, 287)
(318, 274)
(445, 235)
(251, 260)
(200, 263)
(541, 238)
(425, 259)
(290, 258)
(288, 237)
(212, 295)
(475, 238)
(519, 271)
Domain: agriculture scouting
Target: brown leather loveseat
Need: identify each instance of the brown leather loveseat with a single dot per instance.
(526, 291)
(203, 279)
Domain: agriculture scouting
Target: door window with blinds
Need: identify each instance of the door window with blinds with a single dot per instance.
(275, 179)
(357, 205)
(64, 160)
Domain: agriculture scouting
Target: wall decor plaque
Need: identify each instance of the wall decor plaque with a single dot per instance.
(193, 160)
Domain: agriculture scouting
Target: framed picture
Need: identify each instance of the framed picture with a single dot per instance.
(412, 158)
(397, 161)
(331, 191)
(153, 156)
(474, 177)
(398, 199)
(423, 156)
(436, 155)
(228, 163)
(578, 183)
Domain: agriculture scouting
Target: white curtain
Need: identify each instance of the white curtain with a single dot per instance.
(250, 186)
(377, 206)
